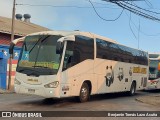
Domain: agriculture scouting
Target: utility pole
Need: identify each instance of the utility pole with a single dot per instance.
(12, 38)
(138, 33)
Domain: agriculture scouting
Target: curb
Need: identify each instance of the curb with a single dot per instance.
(2, 91)
(152, 100)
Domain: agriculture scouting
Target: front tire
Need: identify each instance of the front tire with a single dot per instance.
(84, 94)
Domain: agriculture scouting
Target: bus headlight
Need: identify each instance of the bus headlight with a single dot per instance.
(52, 85)
(16, 82)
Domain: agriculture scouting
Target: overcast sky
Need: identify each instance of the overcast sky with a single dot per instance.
(85, 19)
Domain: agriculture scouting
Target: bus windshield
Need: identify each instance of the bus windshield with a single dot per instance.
(153, 69)
(154, 63)
(38, 55)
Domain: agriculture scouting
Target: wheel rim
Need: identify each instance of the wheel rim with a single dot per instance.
(133, 90)
(84, 93)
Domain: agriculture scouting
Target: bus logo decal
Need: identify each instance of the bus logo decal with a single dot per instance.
(109, 76)
(139, 70)
(120, 74)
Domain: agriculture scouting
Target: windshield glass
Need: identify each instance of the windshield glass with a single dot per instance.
(153, 69)
(38, 55)
(153, 63)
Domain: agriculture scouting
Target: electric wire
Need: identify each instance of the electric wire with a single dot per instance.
(146, 34)
(148, 3)
(131, 27)
(102, 17)
(59, 6)
(135, 9)
(142, 8)
(137, 12)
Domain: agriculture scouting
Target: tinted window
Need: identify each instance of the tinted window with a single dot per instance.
(85, 47)
(112, 51)
(78, 51)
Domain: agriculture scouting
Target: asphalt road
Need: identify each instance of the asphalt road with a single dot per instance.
(106, 102)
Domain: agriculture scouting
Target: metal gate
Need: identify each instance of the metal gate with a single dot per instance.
(3, 71)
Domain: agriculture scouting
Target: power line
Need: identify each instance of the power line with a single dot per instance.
(69, 6)
(138, 12)
(78, 7)
(102, 17)
(135, 9)
(148, 3)
(142, 8)
(131, 27)
(59, 6)
(146, 34)
(138, 33)
(110, 6)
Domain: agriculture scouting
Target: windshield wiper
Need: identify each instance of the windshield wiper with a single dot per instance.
(38, 41)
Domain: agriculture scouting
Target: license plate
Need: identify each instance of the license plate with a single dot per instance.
(31, 90)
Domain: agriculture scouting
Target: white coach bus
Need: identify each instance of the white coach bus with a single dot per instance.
(154, 71)
(56, 64)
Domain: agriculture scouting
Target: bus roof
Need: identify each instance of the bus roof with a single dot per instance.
(66, 33)
(76, 32)
(154, 56)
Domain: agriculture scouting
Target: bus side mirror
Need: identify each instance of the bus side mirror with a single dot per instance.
(11, 47)
(59, 47)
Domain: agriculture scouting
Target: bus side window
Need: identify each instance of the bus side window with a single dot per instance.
(76, 57)
(79, 50)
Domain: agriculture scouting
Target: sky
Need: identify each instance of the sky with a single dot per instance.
(83, 17)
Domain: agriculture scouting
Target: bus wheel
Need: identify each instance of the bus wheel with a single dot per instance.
(84, 93)
(132, 89)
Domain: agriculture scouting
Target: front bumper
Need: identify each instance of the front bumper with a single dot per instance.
(37, 90)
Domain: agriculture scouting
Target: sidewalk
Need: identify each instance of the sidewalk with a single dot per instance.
(2, 91)
(151, 99)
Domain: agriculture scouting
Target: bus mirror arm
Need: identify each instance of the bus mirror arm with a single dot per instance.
(13, 43)
(11, 48)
